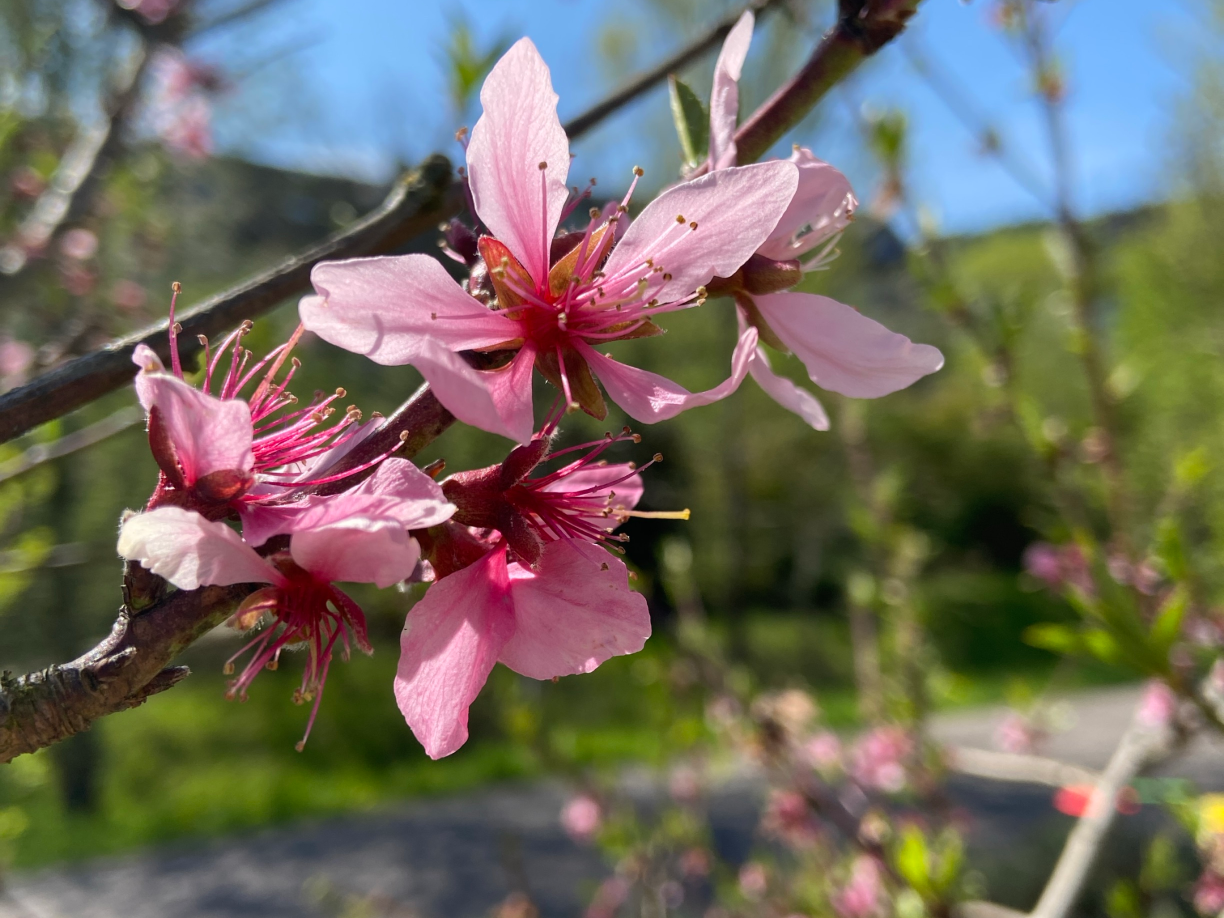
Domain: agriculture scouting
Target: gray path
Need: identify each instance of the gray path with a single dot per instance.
(458, 857)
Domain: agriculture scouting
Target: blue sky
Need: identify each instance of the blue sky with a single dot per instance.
(366, 90)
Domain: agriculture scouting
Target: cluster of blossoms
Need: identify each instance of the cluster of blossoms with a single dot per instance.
(523, 553)
(181, 101)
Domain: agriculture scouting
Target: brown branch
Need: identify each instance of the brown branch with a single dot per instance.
(863, 28)
(414, 206)
(1010, 766)
(418, 202)
(682, 58)
(42, 708)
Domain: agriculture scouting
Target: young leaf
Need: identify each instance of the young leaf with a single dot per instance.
(692, 122)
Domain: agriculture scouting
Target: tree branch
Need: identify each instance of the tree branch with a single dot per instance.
(414, 206)
(418, 202)
(682, 58)
(45, 707)
(863, 28)
(1009, 766)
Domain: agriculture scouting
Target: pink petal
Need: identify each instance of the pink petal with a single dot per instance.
(628, 492)
(397, 490)
(190, 551)
(379, 307)
(450, 642)
(782, 390)
(519, 129)
(734, 209)
(209, 434)
(786, 393)
(843, 350)
(649, 397)
(477, 398)
(510, 388)
(358, 550)
(724, 97)
(146, 358)
(575, 614)
(823, 204)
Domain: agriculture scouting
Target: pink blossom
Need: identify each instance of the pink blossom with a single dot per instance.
(878, 758)
(79, 244)
(1059, 566)
(863, 895)
(684, 784)
(788, 817)
(842, 350)
(306, 608)
(16, 358)
(557, 301)
(753, 880)
(1019, 734)
(221, 454)
(1209, 894)
(608, 898)
(581, 818)
(521, 581)
(823, 751)
(128, 295)
(180, 107)
(153, 11)
(1158, 706)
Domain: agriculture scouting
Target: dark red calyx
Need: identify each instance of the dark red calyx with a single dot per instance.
(763, 275)
(522, 459)
(451, 547)
(224, 485)
(163, 450)
(462, 240)
(478, 496)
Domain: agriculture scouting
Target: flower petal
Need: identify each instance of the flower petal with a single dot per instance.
(397, 490)
(575, 614)
(843, 350)
(823, 205)
(518, 201)
(476, 398)
(786, 393)
(358, 550)
(649, 397)
(734, 209)
(450, 642)
(209, 434)
(190, 551)
(724, 96)
(380, 307)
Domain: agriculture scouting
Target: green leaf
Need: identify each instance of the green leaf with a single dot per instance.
(1054, 637)
(1101, 644)
(912, 861)
(692, 122)
(1167, 626)
(951, 860)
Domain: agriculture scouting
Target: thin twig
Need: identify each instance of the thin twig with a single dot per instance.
(70, 443)
(418, 202)
(415, 205)
(69, 193)
(1022, 769)
(863, 28)
(682, 58)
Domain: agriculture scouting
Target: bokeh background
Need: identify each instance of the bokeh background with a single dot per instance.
(307, 110)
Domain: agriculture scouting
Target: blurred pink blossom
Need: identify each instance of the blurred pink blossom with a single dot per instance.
(26, 182)
(79, 244)
(16, 358)
(753, 881)
(878, 759)
(1019, 734)
(581, 818)
(153, 11)
(608, 898)
(823, 751)
(788, 817)
(684, 785)
(695, 863)
(1158, 706)
(1209, 894)
(863, 895)
(1058, 566)
(127, 295)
